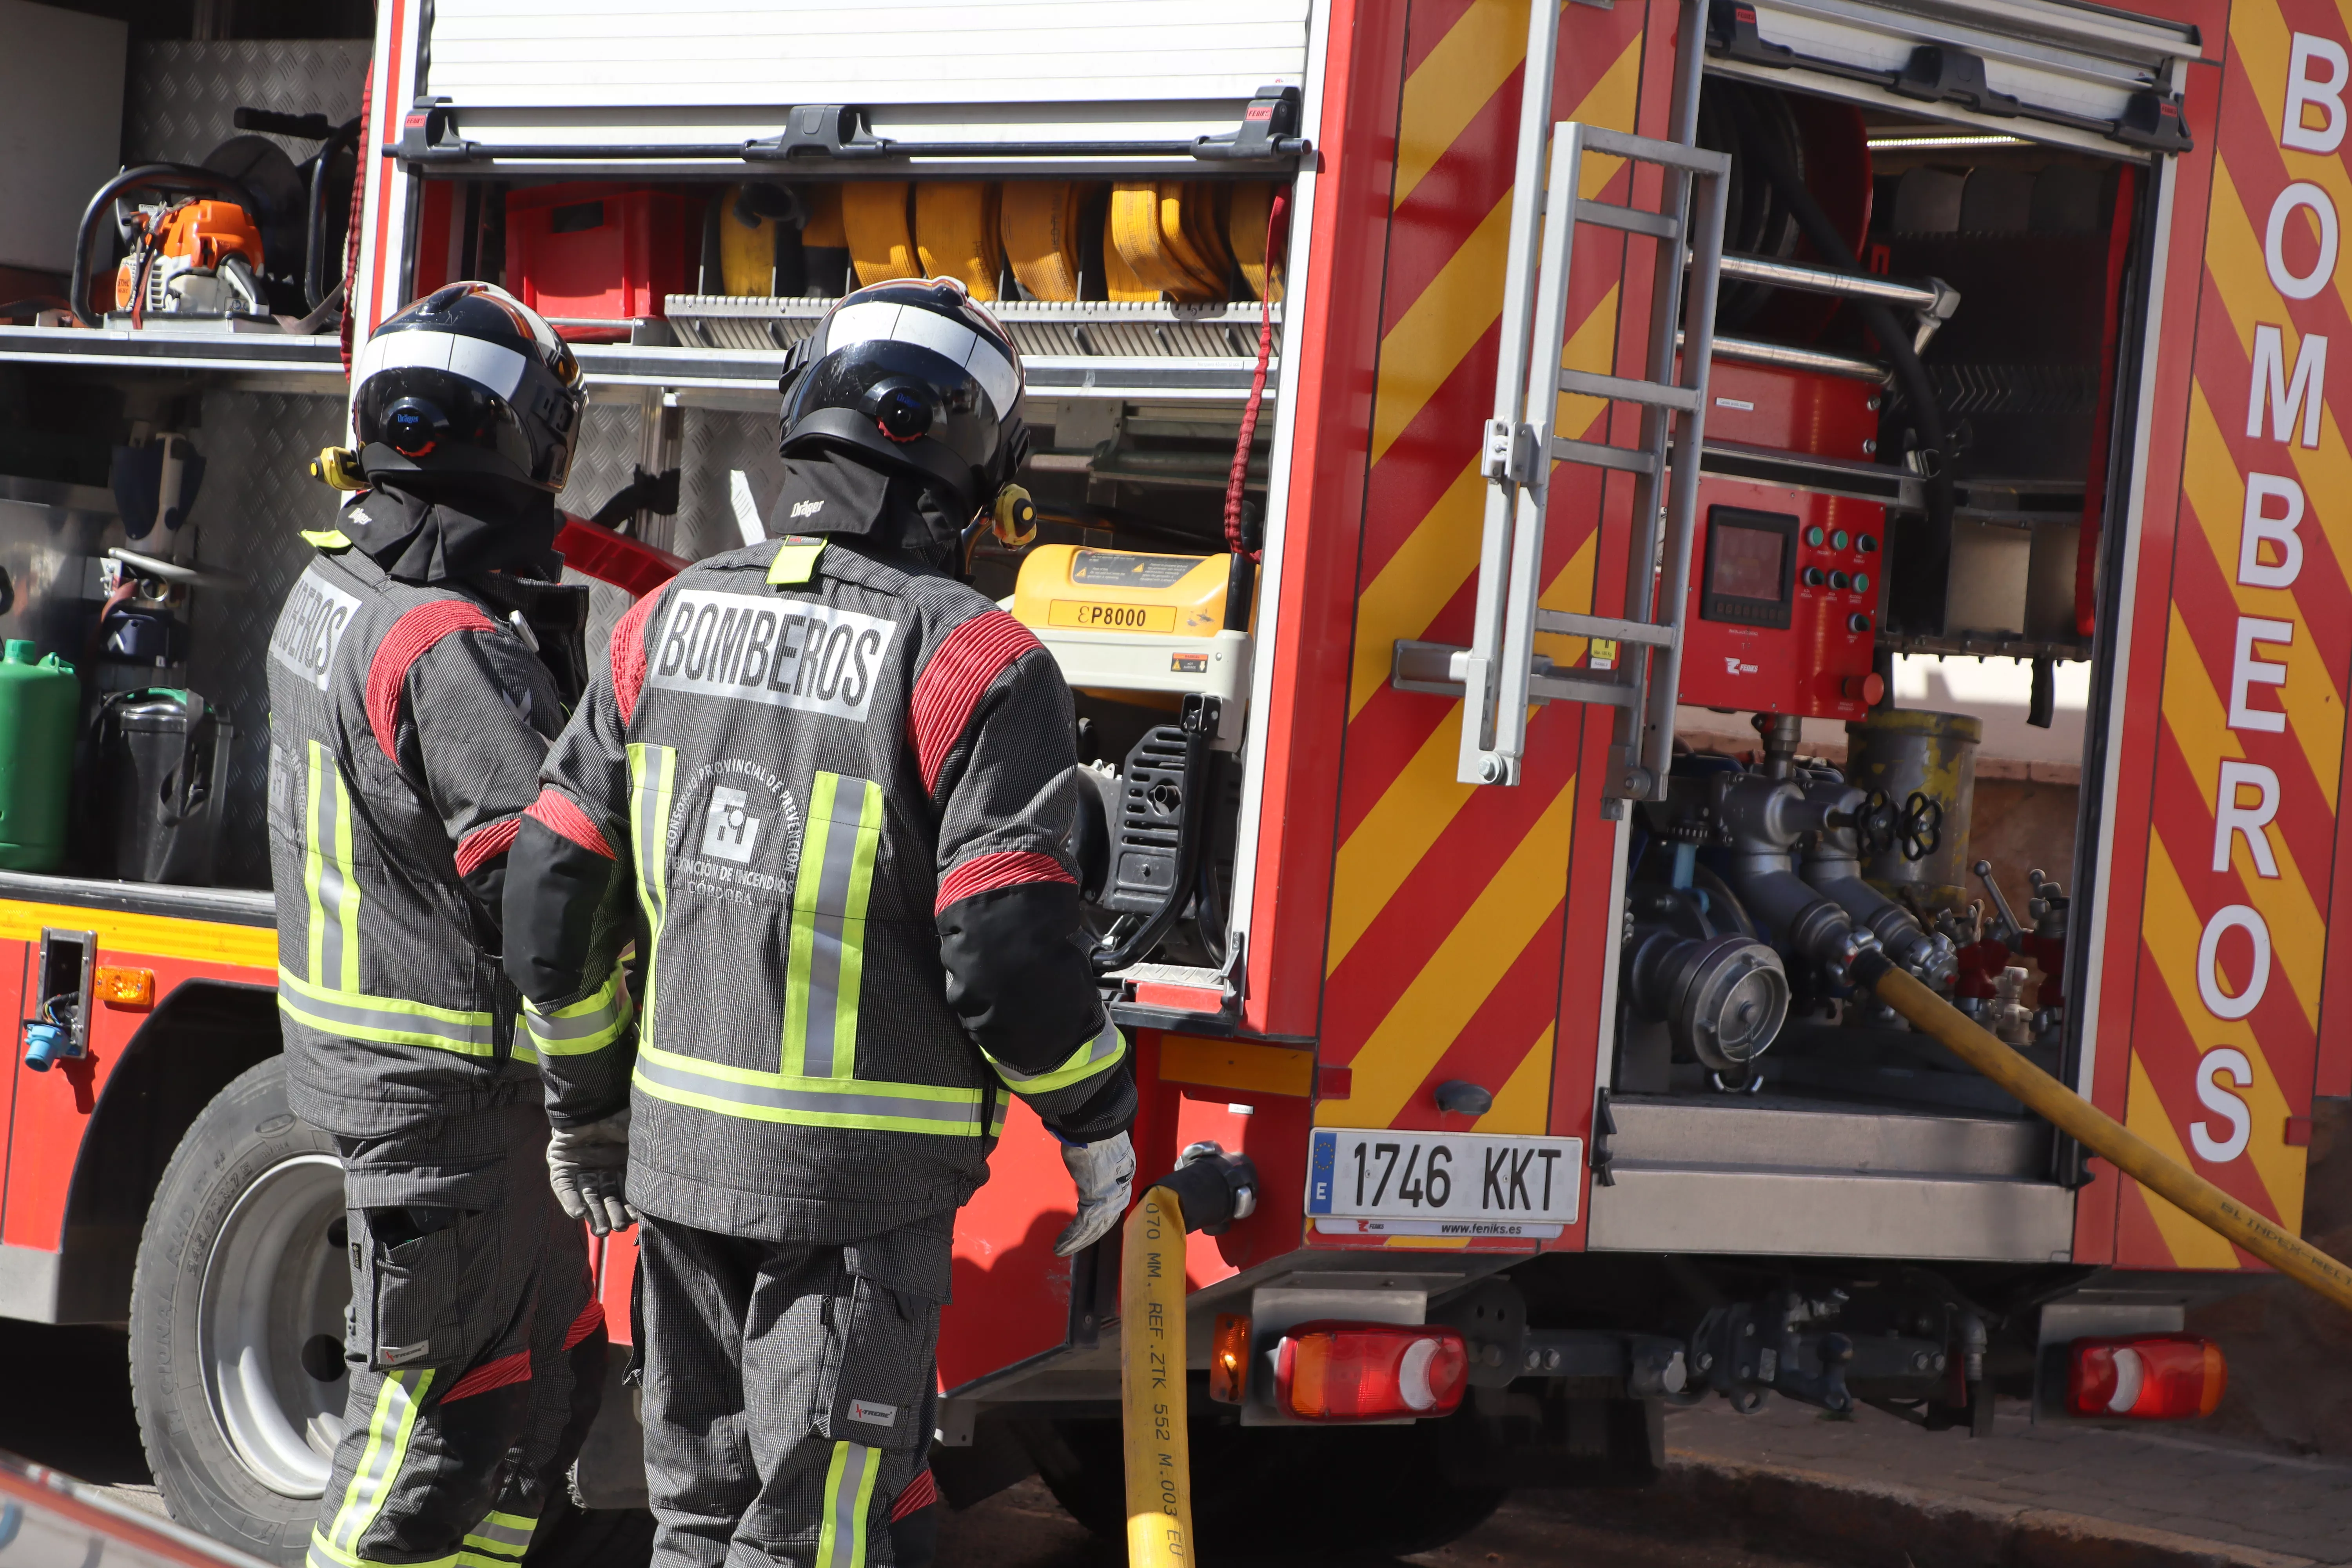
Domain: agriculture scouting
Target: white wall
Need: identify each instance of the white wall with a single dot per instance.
(1996, 690)
(60, 127)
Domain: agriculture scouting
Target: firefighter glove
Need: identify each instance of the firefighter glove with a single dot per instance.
(587, 1164)
(1104, 1175)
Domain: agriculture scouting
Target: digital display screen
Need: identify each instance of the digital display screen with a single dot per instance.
(1746, 563)
(1751, 568)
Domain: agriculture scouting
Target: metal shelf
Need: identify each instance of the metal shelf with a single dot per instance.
(2018, 503)
(696, 373)
(217, 352)
(1987, 645)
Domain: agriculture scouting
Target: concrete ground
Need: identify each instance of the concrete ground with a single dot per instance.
(2139, 1493)
(1787, 1488)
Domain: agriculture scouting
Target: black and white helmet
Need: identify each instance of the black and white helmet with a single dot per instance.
(919, 374)
(471, 382)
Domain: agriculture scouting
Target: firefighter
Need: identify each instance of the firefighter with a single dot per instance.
(839, 788)
(409, 710)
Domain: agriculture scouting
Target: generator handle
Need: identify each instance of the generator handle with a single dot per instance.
(184, 177)
(1202, 714)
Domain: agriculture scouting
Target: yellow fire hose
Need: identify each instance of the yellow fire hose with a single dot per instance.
(1156, 1432)
(2187, 1191)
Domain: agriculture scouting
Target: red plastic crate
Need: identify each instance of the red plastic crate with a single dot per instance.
(600, 252)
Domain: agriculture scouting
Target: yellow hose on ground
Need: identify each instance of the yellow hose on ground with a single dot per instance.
(1151, 1385)
(2187, 1191)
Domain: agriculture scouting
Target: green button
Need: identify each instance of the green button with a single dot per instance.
(1861, 581)
(1838, 539)
(1813, 536)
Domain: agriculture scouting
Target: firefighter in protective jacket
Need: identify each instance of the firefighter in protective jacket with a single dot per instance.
(830, 792)
(414, 682)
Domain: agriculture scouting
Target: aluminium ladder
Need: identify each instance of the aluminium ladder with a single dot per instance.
(1500, 673)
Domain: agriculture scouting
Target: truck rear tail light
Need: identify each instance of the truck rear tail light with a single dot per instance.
(1229, 1359)
(1328, 1371)
(2149, 1377)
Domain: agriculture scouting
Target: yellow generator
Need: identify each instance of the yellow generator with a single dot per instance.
(1127, 624)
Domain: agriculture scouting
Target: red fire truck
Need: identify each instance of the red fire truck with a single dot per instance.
(1512, 488)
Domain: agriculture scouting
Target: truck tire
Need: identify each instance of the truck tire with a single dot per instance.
(237, 1336)
(1249, 1483)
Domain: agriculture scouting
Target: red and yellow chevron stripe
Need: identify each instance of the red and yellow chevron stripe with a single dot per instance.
(2188, 1092)
(1445, 948)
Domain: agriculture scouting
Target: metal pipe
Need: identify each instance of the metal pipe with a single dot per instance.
(1820, 280)
(1752, 351)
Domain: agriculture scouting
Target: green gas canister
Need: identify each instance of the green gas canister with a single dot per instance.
(40, 702)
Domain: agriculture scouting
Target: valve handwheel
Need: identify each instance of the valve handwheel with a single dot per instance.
(1922, 827)
(1875, 824)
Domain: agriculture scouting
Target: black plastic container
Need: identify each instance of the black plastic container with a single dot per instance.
(163, 758)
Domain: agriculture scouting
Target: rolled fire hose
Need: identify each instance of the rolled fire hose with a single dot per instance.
(1167, 233)
(1214, 1188)
(881, 240)
(957, 233)
(2183, 1188)
(1252, 215)
(1120, 281)
(1041, 219)
(747, 251)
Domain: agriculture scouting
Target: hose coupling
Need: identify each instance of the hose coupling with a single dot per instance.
(1213, 1187)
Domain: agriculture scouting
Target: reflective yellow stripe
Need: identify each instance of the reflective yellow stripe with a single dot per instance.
(826, 950)
(652, 771)
(1100, 1053)
(389, 1020)
(499, 1541)
(325, 1554)
(389, 1427)
(588, 1025)
(328, 538)
(808, 1101)
(333, 935)
(796, 562)
(848, 1495)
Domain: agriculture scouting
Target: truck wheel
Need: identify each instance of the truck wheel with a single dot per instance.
(1247, 1483)
(236, 1337)
(237, 1321)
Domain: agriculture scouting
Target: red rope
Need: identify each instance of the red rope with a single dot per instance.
(363, 159)
(1278, 223)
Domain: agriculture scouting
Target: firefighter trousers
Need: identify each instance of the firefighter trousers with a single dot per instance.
(789, 1391)
(474, 1343)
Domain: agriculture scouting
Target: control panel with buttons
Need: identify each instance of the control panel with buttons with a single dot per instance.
(1784, 601)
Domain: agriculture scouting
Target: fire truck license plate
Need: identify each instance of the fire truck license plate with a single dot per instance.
(1384, 1183)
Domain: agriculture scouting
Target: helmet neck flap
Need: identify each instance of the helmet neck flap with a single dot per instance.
(461, 531)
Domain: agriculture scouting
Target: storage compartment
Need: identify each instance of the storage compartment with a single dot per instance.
(1961, 430)
(591, 252)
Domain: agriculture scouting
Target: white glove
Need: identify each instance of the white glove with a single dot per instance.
(586, 1165)
(1104, 1175)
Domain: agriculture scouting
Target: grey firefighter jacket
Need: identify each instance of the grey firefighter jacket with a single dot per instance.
(840, 796)
(407, 725)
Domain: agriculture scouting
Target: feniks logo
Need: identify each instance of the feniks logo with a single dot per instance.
(730, 832)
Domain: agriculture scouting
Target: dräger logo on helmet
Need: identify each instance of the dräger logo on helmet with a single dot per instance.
(727, 644)
(317, 613)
